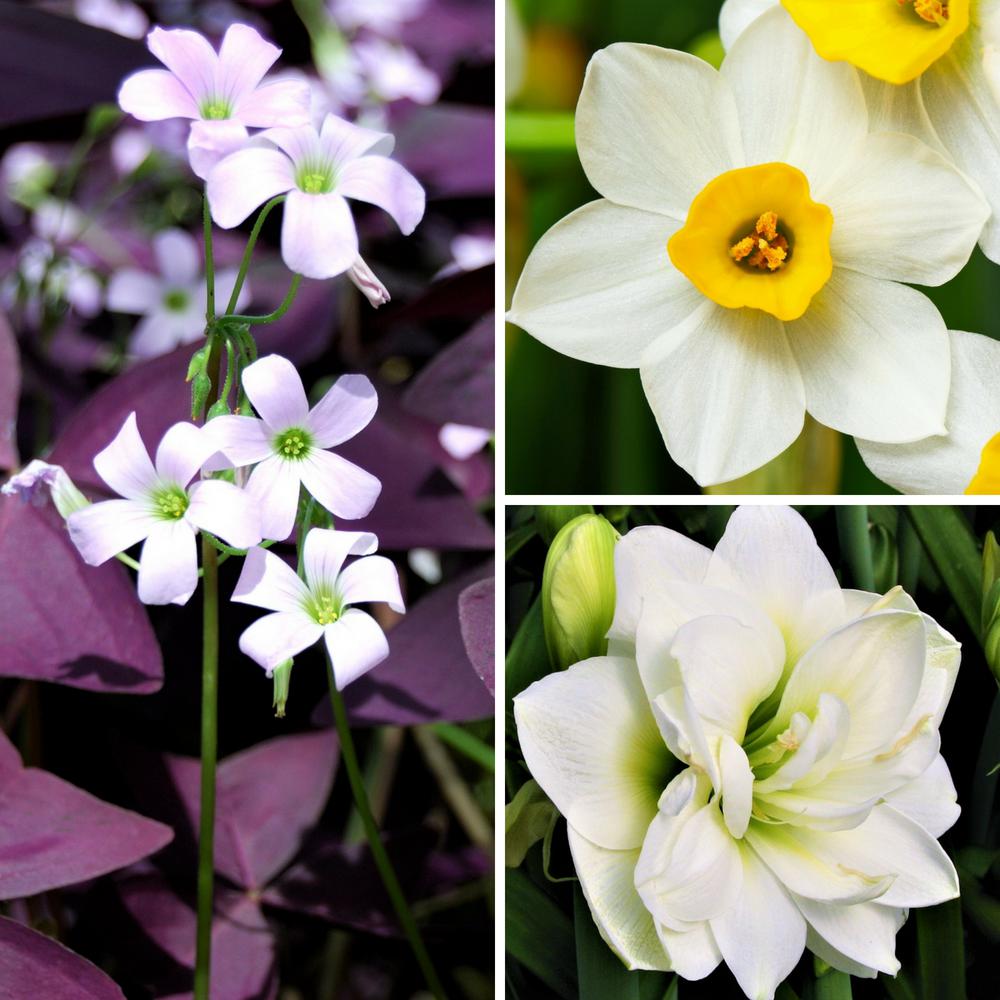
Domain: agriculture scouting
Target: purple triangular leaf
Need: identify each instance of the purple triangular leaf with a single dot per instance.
(10, 388)
(267, 798)
(64, 621)
(476, 617)
(33, 965)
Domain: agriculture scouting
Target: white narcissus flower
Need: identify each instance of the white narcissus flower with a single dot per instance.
(754, 767)
(750, 251)
(930, 67)
(320, 606)
(171, 303)
(967, 458)
(161, 509)
(288, 444)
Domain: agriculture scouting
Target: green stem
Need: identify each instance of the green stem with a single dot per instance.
(464, 742)
(209, 740)
(206, 216)
(392, 886)
(281, 310)
(248, 252)
(128, 560)
(852, 527)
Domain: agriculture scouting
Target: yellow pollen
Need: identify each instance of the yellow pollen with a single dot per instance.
(933, 11)
(787, 740)
(326, 613)
(764, 248)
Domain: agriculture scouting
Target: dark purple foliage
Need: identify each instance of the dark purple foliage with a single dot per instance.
(476, 615)
(10, 387)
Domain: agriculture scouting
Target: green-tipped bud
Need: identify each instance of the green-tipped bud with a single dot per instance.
(201, 386)
(282, 676)
(578, 590)
(220, 408)
(198, 364)
(991, 603)
(549, 520)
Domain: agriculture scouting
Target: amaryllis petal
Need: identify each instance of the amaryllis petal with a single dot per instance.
(345, 410)
(133, 291)
(864, 933)
(210, 142)
(383, 182)
(105, 529)
(275, 389)
(168, 567)
(285, 101)
(267, 581)
(278, 637)
(244, 58)
(182, 451)
(344, 141)
(244, 180)
(152, 95)
(930, 800)
(318, 238)
(374, 578)
(274, 484)
(356, 644)
(226, 511)
(124, 464)
(324, 553)
(342, 487)
(189, 57)
(243, 440)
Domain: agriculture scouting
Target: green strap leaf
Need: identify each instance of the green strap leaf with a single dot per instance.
(852, 527)
(941, 946)
(540, 935)
(540, 132)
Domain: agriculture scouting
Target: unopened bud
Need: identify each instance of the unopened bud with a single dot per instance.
(282, 676)
(550, 519)
(36, 477)
(220, 408)
(201, 386)
(991, 603)
(367, 282)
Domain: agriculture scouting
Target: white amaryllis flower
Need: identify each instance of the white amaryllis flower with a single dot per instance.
(967, 458)
(320, 606)
(749, 252)
(754, 767)
(930, 68)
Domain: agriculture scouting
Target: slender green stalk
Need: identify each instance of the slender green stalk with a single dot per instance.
(392, 886)
(281, 310)
(248, 252)
(206, 217)
(209, 749)
(128, 560)
(464, 742)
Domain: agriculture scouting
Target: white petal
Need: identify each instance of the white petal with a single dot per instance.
(814, 118)
(225, 511)
(278, 637)
(737, 786)
(124, 464)
(132, 291)
(275, 389)
(864, 933)
(161, 331)
(168, 566)
(645, 557)
(771, 554)
(318, 238)
(243, 440)
(355, 643)
(693, 953)
(737, 15)
(654, 126)
(726, 392)
(324, 553)
(685, 733)
(947, 463)
(102, 530)
(178, 257)
(244, 180)
(930, 800)
(344, 141)
(210, 142)
(267, 581)
(907, 215)
(762, 936)
(346, 409)
(600, 287)
(281, 102)
(274, 484)
(874, 358)
(342, 487)
(898, 108)
(607, 880)
(188, 56)
(182, 451)
(244, 58)
(383, 182)
(152, 95)
(371, 579)
(589, 739)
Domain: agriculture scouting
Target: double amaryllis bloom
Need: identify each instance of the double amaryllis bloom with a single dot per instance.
(754, 767)
(750, 251)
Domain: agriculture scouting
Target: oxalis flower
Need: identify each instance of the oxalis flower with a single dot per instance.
(221, 92)
(754, 767)
(748, 252)
(320, 606)
(319, 171)
(930, 68)
(162, 509)
(288, 444)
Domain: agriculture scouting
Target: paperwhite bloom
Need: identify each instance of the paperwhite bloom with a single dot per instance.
(171, 303)
(749, 253)
(803, 721)
(320, 607)
(930, 69)
(160, 509)
(967, 458)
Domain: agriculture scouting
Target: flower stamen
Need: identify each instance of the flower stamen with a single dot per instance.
(171, 503)
(763, 249)
(932, 11)
(293, 444)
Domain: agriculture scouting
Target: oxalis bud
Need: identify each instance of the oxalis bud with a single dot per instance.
(578, 590)
(219, 408)
(991, 603)
(282, 676)
(201, 386)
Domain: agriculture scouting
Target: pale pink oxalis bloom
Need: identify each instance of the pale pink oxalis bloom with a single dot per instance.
(318, 170)
(384, 17)
(220, 92)
(287, 445)
(321, 606)
(163, 510)
(172, 302)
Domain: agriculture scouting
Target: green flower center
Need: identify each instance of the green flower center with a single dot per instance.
(315, 179)
(176, 300)
(325, 607)
(170, 503)
(293, 444)
(216, 109)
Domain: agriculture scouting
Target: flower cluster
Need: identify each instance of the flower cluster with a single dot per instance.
(753, 769)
